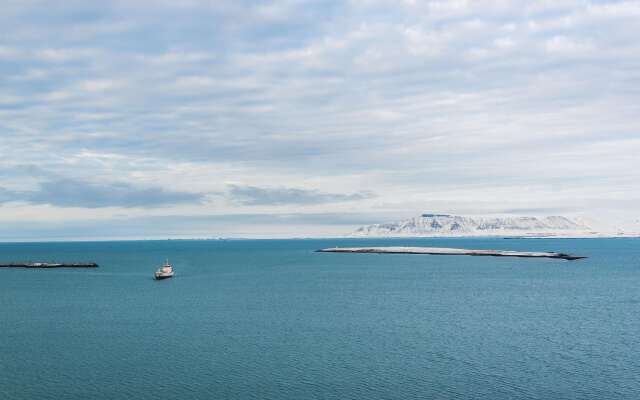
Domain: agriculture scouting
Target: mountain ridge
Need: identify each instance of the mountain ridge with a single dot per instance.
(455, 225)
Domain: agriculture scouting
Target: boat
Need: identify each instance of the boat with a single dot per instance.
(164, 272)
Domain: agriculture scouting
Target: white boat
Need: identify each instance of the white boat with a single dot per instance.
(164, 272)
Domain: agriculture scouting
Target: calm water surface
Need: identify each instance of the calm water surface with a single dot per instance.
(271, 319)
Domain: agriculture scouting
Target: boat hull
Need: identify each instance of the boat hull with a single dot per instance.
(161, 277)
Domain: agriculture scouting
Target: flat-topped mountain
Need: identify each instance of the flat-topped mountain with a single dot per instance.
(455, 225)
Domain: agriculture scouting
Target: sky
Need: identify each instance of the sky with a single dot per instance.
(155, 119)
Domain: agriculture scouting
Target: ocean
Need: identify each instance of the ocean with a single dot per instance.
(272, 319)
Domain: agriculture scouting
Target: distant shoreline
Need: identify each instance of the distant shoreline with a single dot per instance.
(337, 237)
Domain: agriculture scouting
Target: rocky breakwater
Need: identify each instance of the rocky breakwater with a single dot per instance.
(48, 265)
(450, 252)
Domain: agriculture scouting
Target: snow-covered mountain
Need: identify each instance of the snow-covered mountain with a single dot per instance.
(454, 225)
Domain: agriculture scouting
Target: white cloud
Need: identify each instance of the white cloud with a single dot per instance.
(60, 55)
(9, 99)
(567, 46)
(7, 52)
(624, 9)
(99, 85)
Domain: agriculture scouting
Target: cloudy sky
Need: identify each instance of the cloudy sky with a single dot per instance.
(151, 118)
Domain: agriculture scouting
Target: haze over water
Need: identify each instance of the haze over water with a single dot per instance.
(272, 319)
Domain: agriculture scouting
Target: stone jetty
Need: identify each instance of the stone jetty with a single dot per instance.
(443, 251)
(49, 265)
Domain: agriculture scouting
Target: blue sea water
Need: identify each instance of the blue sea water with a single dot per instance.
(272, 319)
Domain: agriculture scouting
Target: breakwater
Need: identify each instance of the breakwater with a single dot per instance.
(443, 251)
(48, 265)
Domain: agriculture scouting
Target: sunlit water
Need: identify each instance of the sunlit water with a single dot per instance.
(272, 319)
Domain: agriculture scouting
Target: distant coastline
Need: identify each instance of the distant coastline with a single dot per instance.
(328, 237)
